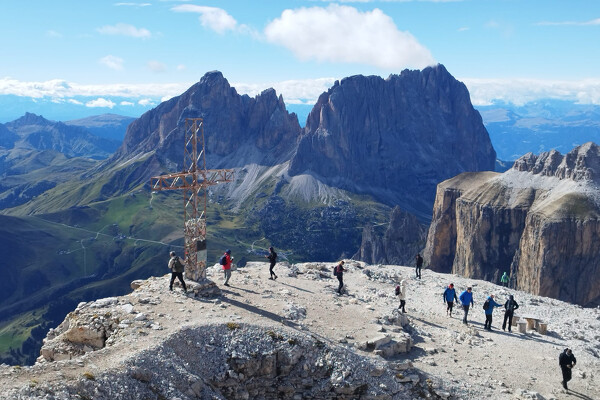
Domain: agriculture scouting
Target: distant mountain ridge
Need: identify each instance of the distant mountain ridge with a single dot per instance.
(107, 126)
(34, 132)
(540, 126)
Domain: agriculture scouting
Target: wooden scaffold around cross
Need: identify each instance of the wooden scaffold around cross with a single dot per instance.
(194, 181)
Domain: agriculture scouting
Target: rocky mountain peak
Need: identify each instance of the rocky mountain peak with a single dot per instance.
(394, 139)
(238, 129)
(581, 163)
(29, 119)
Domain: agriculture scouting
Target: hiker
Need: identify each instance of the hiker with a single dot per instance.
(272, 256)
(489, 309)
(567, 361)
(339, 272)
(466, 299)
(509, 311)
(504, 279)
(401, 292)
(419, 265)
(449, 297)
(177, 268)
(226, 260)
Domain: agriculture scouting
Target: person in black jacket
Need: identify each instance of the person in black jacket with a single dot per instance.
(272, 256)
(567, 361)
(339, 273)
(419, 265)
(510, 306)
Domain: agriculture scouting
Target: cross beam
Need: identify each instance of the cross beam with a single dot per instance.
(194, 181)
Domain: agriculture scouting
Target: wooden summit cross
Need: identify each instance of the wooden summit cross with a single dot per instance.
(194, 181)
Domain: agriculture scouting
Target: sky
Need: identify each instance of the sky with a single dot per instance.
(105, 55)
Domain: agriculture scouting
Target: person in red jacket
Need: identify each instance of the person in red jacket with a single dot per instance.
(227, 266)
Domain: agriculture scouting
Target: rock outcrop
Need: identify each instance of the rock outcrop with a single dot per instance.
(540, 221)
(394, 139)
(402, 239)
(238, 130)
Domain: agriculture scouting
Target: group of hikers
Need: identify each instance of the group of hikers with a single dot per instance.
(566, 359)
(466, 300)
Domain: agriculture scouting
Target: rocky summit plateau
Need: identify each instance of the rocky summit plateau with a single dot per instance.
(538, 221)
(295, 338)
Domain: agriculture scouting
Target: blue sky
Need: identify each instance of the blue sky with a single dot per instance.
(103, 54)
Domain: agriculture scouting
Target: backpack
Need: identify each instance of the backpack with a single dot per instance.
(335, 272)
(486, 305)
(397, 290)
(223, 260)
(178, 265)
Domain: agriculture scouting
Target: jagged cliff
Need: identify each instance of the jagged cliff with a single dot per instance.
(394, 139)
(238, 129)
(540, 221)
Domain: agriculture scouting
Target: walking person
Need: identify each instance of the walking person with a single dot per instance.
(272, 256)
(466, 299)
(449, 297)
(226, 261)
(177, 268)
(419, 261)
(489, 309)
(509, 311)
(567, 361)
(401, 292)
(339, 273)
(504, 279)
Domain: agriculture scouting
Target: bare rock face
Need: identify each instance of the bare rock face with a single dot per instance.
(404, 237)
(540, 221)
(238, 130)
(394, 139)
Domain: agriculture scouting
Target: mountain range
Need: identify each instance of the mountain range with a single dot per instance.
(369, 144)
(540, 126)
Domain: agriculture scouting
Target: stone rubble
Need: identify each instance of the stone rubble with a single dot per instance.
(294, 338)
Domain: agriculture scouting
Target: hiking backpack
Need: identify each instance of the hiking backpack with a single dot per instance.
(178, 265)
(486, 305)
(397, 290)
(223, 260)
(335, 271)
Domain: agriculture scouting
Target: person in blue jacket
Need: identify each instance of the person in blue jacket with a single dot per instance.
(449, 297)
(466, 299)
(488, 312)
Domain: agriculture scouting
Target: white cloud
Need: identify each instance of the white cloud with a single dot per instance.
(483, 91)
(126, 103)
(213, 18)
(125, 30)
(53, 34)
(156, 66)
(58, 88)
(522, 91)
(133, 4)
(73, 101)
(112, 62)
(575, 23)
(146, 102)
(344, 34)
(305, 91)
(100, 102)
(181, 67)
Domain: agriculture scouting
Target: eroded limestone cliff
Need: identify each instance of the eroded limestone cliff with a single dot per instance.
(540, 221)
